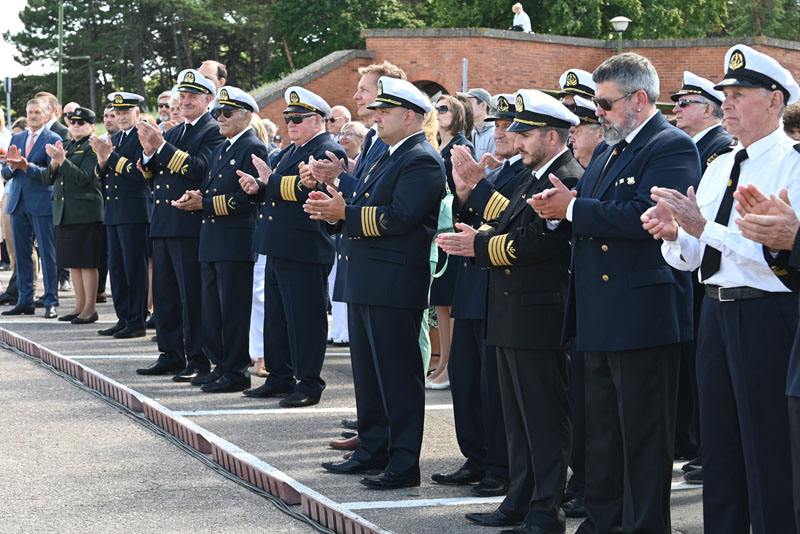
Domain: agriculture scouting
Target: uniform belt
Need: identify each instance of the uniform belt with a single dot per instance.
(729, 294)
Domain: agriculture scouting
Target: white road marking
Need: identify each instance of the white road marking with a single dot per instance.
(282, 411)
(112, 356)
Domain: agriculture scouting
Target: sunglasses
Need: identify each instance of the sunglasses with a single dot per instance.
(163, 105)
(77, 122)
(297, 119)
(442, 109)
(607, 104)
(334, 119)
(683, 102)
(227, 113)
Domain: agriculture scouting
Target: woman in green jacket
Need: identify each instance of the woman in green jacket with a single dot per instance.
(77, 212)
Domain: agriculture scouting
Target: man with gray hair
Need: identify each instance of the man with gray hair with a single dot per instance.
(631, 355)
(163, 108)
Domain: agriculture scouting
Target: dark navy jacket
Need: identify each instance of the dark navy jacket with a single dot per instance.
(284, 230)
(125, 190)
(229, 216)
(27, 190)
(623, 295)
(180, 166)
(711, 144)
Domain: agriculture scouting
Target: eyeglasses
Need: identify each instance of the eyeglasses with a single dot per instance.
(349, 134)
(227, 113)
(163, 105)
(683, 102)
(442, 109)
(334, 119)
(77, 122)
(607, 104)
(297, 119)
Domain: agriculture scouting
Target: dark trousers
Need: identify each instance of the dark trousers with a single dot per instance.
(630, 435)
(25, 227)
(744, 349)
(176, 296)
(794, 431)
(295, 325)
(389, 385)
(577, 401)
(687, 424)
(226, 321)
(102, 269)
(127, 262)
(477, 408)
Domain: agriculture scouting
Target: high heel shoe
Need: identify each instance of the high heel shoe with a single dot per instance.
(93, 318)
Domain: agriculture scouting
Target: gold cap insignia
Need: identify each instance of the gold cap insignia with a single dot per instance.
(223, 95)
(502, 103)
(189, 78)
(520, 104)
(737, 61)
(118, 99)
(380, 88)
(294, 98)
(572, 79)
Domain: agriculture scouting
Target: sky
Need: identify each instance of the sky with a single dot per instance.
(10, 22)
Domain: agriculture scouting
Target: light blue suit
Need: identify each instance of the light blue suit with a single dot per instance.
(30, 204)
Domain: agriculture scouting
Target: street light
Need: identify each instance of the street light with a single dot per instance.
(620, 24)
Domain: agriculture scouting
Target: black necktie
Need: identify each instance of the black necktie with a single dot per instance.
(225, 146)
(711, 256)
(618, 148)
(186, 127)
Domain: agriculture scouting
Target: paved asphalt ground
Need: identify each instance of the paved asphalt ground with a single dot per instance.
(73, 463)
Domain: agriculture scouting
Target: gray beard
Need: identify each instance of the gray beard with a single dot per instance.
(613, 134)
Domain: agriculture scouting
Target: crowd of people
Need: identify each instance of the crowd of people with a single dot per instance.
(601, 289)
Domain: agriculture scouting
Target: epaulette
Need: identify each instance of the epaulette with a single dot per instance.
(718, 154)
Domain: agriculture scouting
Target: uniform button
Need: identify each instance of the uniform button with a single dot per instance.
(162, 172)
(366, 195)
(340, 256)
(465, 265)
(158, 202)
(570, 242)
(62, 198)
(605, 278)
(108, 186)
(260, 215)
(206, 190)
(604, 248)
(157, 187)
(264, 203)
(470, 210)
(215, 189)
(116, 187)
(507, 271)
(167, 186)
(204, 221)
(270, 217)
(506, 293)
(346, 258)
(273, 204)
(220, 176)
(115, 198)
(108, 198)
(354, 193)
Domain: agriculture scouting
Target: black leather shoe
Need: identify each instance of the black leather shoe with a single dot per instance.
(490, 486)
(188, 374)
(111, 330)
(532, 529)
(298, 400)
(697, 463)
(50, 312)
(226, 385)
(150, 322)
(575, 507)
(81, 320)
(101, 298)
(205, 378)
(20, 310)
(68, 317)
(39, 303)
(351, 424)
(389, 481)
(7, 299)
(462, 477)
(494, 519)
(158, 369)
(265, 391)
(347, 434)
(694, 477)
(127, 333)
(351, 466)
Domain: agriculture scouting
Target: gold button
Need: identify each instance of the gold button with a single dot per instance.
(215, 189)
(206, 190)
(470, 210)
(116, 186)
(108, 186)
(506, 293)
(116, 198)
(213, 220)
(220, 176)
(507, 271)
(604, 248)
(158, 202)
(605, 278)
(108, 198)
(346, 258)
(204, 221)
(167, 186)
(354, 193)
(273, 204)
(158, 187)
(465, 265)
(340, 256)
(62, 198)
(162, 172)
(366, 195)
(261, 216)
(270, 217)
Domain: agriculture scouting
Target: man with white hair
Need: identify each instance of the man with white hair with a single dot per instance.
(339, 116)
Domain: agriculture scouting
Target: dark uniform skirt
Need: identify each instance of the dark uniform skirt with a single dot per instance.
(443, 287)
(78, 245)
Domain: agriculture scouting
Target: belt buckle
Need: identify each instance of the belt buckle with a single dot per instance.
(719, 295)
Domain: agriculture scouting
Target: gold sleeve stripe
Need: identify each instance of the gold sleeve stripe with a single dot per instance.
(172, 159)
(374, 221)
(497, 251)
(496, 205)
(121, 165)
(180, 164)
(287, 188)
(96, 173)
(220, 207)
(147, 174)
(176, 162)
(369, 221)
(484, 227)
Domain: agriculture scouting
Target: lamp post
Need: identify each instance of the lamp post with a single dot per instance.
(620, 24)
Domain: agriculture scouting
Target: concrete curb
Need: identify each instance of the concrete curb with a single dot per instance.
(231, 458)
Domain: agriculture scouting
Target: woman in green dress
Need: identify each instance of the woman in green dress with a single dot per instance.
(77, 212)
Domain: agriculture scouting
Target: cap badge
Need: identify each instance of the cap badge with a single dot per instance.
(737, 61)
(223, 95)
(520, 104)
(502, 104)
(118, 99)
(380, 88)
(294, 98)
(189, 78)
(572, 79)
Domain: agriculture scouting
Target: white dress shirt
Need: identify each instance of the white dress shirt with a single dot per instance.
(772, 165)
